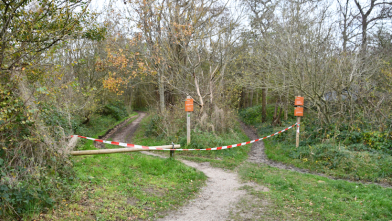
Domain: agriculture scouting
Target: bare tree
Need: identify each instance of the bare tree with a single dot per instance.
(370, 13)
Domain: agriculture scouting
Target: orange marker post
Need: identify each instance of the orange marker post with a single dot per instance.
(299, 101)
(298, 112)
(188, 109)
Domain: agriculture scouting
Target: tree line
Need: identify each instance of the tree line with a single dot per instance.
(61, 62)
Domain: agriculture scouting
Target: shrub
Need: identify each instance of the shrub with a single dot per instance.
(116, 109)
(153, 127)
(251, 115)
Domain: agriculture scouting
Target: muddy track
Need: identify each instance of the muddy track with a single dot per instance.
(125, 134)
(257, 155)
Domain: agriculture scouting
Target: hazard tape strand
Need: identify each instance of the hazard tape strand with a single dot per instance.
(158, 148)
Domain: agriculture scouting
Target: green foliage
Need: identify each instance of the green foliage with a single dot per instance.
(152, 127)
(116, 109)
(348, 151)
(96, 33)
(251, 115)
(24, 179)
(38, 191)
(53, 117)
(29, 29)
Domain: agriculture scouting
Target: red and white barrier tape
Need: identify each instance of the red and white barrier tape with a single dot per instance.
(157, 148)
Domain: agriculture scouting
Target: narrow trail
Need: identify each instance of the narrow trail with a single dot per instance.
(257, 155)
(215, 200)
(125, 134)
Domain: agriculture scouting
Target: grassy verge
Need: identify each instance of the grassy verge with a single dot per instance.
(125, 187)
(295, 196)
(229, 158)
(333, 160)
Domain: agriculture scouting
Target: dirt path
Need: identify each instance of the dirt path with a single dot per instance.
(214, 201)
(125, 134)
(257, 155)
(217, 199)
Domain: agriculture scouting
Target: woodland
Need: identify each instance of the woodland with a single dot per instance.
(65, 66)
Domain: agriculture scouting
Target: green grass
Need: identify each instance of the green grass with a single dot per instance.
(98, 125)
(334, 160)
(330, 149)
(296, 196)
(127, 187)
(229, 158)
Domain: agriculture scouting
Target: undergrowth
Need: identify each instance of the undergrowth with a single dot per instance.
(356, 152)
(35, 172)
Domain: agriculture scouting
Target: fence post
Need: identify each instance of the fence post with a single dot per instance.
(298, 112)
(172, 151)
(188, 110)
(297, 133)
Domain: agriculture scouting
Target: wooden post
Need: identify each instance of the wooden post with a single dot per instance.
(298, 112)
(172, 151)
(188, 110)
(188, 127)
(119, 150)
(297, 135)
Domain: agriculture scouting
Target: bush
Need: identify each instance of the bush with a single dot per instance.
(116, 109)
(251, 115)
(330, 155)
(153, 129)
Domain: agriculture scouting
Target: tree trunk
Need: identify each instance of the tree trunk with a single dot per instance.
(161, 89)
(364, 37)
(246, 98)
(251, 98)
(242, 100)
(276, 118)
(286, 108)
(264, 105)
(199, 94)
